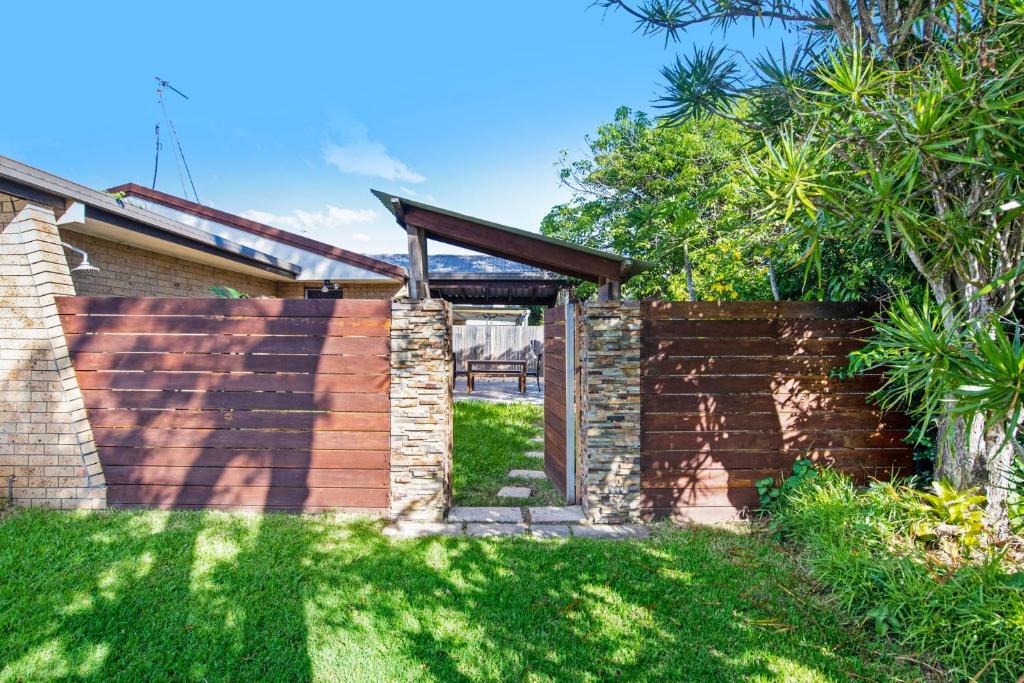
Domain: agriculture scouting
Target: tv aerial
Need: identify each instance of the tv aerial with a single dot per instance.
(179, 152)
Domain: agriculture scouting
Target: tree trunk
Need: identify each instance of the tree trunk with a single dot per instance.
(689, 273)
(976, 457)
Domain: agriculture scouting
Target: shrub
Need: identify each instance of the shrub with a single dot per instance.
(875, 550)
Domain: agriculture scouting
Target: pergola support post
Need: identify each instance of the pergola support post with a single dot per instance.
(609, 291)
(419, 287)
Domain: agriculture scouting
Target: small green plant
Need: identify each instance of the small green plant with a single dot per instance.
(954, 518)
(226, 292)
(885, 620)
(770, 493)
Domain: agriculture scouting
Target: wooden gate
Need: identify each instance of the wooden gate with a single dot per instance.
(252, 403)
(560, 418)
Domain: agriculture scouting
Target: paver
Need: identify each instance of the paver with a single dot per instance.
(514, 492)
(403, 529)
(611, 531)
(492, 529)
(485, 514)
(526, 474)
(535, 454)
(555, 514)
(550, 531)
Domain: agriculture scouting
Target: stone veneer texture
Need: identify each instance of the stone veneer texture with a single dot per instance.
(610, 349)
(421, 409)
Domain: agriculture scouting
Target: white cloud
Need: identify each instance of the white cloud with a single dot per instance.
(409, 192)
(370, 158)
(360, 237)
(323, 222)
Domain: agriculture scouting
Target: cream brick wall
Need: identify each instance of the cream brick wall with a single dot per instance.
(45, 439)
(130, 271)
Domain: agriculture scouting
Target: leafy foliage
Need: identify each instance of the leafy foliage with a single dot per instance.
(960, 509)
(772, 494)
(863, 544)
(673, 195)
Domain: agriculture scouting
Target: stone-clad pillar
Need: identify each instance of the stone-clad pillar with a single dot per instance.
(610, 348)
(421, 409)
(45, 438)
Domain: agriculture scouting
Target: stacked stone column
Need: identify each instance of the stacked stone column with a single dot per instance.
(421, 409)
(610, 348)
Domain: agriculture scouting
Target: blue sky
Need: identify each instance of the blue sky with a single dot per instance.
(297, 109)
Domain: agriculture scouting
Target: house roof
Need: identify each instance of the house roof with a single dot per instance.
(369, 263)
(479, 279)
(510, 243)
(32, 184)
(481, 264)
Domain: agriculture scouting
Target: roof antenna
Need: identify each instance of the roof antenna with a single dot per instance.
(156, 161)
(161, 85)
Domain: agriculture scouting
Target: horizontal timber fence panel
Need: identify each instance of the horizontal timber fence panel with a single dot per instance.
(734, 392)
(497, 342)
(259, 404)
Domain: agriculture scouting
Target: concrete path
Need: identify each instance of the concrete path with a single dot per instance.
(538, 522)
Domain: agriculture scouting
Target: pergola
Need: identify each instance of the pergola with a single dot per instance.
(423, 222)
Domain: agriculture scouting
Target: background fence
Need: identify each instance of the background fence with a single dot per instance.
(265, 404)
(734, 392)
(497, 342)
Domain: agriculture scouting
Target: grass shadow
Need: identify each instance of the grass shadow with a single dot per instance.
(211, 596)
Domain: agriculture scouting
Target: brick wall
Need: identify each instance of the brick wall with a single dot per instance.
(421, 409)
(130, 271)
(610, 345)
(45, 439)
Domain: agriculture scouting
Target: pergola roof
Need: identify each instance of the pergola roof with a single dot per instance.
(514, 244)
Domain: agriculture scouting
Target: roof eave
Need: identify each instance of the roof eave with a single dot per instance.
(35, 185)
(266, 231)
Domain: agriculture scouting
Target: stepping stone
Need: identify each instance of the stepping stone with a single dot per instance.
(514, 492)
(550, 531)
(485, 514)
(419, 529)
(526, 474)
(490, 529)
(615, 532)
(534, 454)
(557, 514)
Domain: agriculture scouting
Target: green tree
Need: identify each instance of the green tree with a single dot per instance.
(677, 197)
(897, 123)
(671, 196)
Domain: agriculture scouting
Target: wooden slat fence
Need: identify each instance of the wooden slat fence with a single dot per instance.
(497, 342)
(735, 392)
(554, 397)
(251, 404)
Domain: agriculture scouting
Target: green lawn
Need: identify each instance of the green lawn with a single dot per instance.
(144, 596)
(490, 440)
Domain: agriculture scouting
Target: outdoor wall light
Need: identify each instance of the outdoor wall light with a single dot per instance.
(84, 266)
(328, 286)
